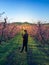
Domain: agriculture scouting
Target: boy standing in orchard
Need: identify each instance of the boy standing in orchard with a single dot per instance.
(25, 41)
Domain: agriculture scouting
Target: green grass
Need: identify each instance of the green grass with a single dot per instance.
(10, 52)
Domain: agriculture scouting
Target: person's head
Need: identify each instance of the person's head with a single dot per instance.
(25, 31)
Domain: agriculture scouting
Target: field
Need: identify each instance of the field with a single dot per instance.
(10, 53)
(10, 49)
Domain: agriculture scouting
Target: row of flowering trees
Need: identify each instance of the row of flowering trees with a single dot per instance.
(2, 31)
(8, 31)
(42, 34)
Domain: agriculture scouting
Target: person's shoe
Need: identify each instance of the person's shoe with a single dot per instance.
(20, 51)
(26, 51)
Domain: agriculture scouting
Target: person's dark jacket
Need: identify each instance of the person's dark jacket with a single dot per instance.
(25, 38)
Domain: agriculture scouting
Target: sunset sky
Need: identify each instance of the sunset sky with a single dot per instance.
(25, 10)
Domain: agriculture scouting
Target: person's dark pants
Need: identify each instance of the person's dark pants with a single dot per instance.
(24, 46)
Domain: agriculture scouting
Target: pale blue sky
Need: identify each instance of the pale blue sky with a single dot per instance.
(25, 10)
